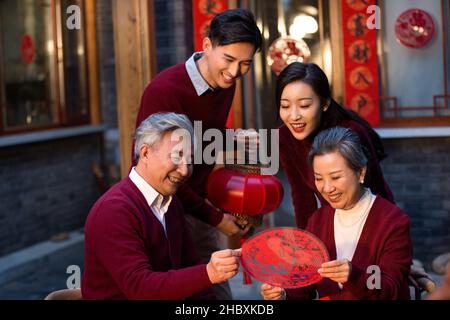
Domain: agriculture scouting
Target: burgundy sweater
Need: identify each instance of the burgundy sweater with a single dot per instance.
(172, 91)
(128, 256)
(385, 241)
(294, 160)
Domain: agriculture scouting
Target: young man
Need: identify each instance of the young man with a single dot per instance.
(203, 89)
(137, 245)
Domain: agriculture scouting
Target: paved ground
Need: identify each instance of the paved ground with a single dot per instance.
(48, 275)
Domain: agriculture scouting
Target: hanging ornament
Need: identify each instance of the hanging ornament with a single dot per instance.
(27, 49)
(286, 50)
(414, 28)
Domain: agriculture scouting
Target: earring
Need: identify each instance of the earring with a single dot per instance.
(362, 181)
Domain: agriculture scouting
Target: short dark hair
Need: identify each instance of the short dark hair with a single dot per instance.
(235, 25)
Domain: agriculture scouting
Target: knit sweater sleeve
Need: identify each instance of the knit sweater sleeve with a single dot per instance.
(115, 239)
(191, 258)
(302, 197)
(157, 98)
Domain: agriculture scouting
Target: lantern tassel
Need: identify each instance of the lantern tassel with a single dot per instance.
(247, 279)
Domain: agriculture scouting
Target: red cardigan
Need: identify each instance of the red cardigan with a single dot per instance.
(294, 160)
(172, 91)
(128, 256)
(385, 241)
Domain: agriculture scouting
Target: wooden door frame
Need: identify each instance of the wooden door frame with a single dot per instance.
(135, 56)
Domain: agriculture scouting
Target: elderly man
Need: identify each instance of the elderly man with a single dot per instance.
(137, 245)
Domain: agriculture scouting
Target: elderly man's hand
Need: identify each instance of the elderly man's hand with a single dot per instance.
(337, 270)
(223, 265)
(229, 227)
(269, 292)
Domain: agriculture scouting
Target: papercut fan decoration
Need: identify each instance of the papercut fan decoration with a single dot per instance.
(414, 28)
(284, 257)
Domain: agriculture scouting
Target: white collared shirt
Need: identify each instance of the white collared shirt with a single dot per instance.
(157, 202)
(199, 83)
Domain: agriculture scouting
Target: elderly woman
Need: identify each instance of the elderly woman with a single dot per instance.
(367, 236)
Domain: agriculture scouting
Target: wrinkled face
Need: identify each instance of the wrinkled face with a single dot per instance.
(300, 109)
(336, 181)
(227, 63)
(166, 165)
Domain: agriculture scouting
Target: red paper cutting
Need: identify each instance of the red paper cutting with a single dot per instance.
(27, 49)
(284, 257)
(414, 28)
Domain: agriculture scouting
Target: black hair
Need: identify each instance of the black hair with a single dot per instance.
(235, 25)
(313, 75)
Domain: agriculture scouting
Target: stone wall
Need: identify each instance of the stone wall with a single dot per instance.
(46, 188)
(418, 171)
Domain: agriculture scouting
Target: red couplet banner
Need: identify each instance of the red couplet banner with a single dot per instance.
(360, 60)
(203, 12)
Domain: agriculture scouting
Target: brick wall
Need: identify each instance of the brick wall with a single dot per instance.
(418, 171)
(106, 62)
(46, 188)
(174, 35)
(107, 78)
(174, 44)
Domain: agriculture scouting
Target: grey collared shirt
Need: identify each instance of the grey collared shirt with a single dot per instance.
(200, 84)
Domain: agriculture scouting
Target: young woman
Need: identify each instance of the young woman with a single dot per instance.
(306, 107)
(367, 237)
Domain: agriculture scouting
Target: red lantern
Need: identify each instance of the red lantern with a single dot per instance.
(243, 192)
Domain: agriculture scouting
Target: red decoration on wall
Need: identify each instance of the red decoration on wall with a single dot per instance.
(414, 28)
(357, 5)
(27, 49)
(284, 257)
(286, 50)
(359, 51)
(363, 104)
(360, 63)
(203, 12)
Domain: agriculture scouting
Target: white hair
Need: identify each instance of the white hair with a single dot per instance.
(152, 129)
